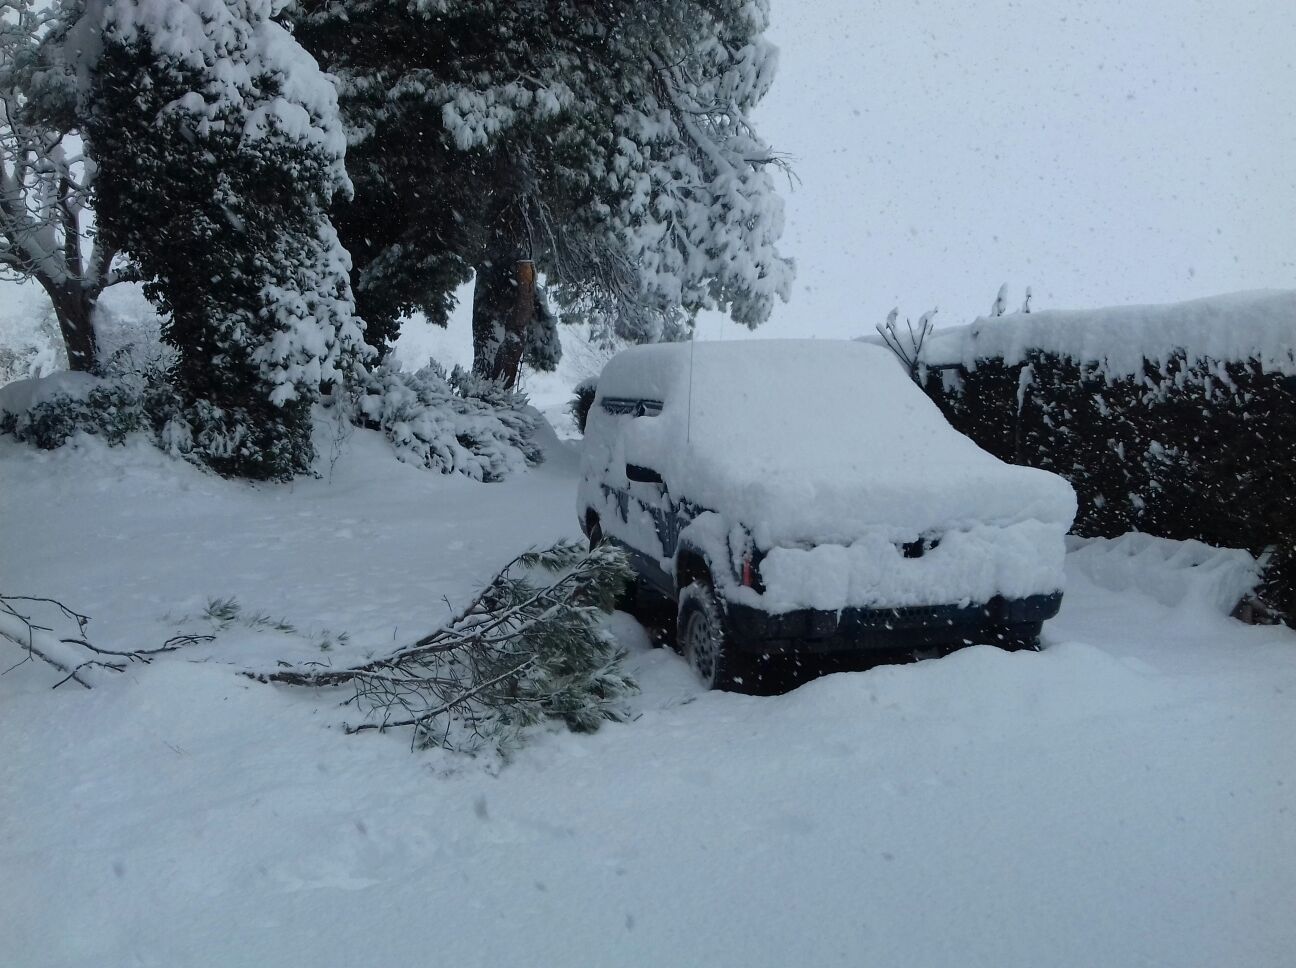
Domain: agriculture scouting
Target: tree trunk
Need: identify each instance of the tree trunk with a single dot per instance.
(504, 300)
(74, 307)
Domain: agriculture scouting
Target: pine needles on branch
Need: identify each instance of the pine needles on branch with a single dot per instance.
(528, 647)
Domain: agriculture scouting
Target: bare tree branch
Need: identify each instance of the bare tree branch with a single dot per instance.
(68, 654)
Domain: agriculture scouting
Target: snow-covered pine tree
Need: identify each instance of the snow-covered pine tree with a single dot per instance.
(610, 144)
(219, 148)
(693, 210)
(46, 180)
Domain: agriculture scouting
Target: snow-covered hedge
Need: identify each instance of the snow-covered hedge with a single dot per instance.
(1124, 341)
(455, 425)
(1177, 421)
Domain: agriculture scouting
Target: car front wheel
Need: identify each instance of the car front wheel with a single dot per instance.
(702, 637)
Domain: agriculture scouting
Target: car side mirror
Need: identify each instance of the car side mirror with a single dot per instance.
(642, 475)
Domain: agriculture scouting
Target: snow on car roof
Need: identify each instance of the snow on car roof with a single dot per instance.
(811, 438)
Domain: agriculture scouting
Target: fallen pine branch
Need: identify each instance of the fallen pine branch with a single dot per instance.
(529, 646)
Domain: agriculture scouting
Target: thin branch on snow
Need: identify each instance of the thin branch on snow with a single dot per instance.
(67, 654)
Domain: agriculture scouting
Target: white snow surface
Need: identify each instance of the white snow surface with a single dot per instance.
(1235, 327)
(1123, 798)
(1172, 572)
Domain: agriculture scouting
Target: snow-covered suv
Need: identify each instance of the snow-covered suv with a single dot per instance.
(804, 496)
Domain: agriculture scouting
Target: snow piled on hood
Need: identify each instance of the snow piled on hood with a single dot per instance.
(809, 440)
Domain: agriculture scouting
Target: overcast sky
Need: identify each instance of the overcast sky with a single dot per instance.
(1101, 152)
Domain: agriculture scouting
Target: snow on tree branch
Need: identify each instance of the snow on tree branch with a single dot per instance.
(46, 181)
(221, 147)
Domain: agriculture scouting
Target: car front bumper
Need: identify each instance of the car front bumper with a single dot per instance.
(885, 629)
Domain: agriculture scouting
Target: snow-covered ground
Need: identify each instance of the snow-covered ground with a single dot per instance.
(1125, 797)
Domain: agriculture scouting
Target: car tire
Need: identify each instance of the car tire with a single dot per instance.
(702, 636)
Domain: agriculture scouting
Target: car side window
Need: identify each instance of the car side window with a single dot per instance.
(631, 407)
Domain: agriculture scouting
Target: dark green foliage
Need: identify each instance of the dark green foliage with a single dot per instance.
(583, 400)
(1190, 449)
(609, 142)
(113, 411)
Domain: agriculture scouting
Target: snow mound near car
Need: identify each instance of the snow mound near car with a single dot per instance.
(811, 441)
(1175, 573)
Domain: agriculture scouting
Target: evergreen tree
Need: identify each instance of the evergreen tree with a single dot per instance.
(219, 148)
(605, 144)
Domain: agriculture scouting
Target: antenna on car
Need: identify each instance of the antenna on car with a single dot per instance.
(688, 426)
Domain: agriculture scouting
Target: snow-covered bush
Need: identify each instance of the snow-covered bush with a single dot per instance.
(48, 411)
(460, 425)
(30, 348)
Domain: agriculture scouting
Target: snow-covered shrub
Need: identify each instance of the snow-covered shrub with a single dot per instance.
(457, 426)
(1178, 421)
(48, 411)
(477, 387)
